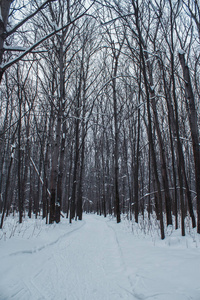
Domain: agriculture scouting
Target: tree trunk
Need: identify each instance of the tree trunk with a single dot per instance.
(161, 146)
(54, 170)
(60, 176)
(7, 188)
(151, 144)
(20, 199)
(4, 9)
(136, 169)
(116, 146)
(194, 130)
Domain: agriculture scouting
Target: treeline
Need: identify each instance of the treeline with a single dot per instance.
(100, 110)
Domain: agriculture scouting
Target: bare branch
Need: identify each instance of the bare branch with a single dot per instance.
(5, 66)
(8, 33)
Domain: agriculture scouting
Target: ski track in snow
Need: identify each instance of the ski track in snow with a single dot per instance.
(94, 261)
(37, 249)
(76, 266)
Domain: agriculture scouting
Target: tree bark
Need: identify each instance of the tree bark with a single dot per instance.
(151, 144)
(54, 170)
(194, 130)
(116, 146)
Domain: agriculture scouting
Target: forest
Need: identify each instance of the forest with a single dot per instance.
(99, 110)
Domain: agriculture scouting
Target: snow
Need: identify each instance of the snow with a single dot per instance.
(96, 259)
(14, 48)
(181, 51)
(1, 18)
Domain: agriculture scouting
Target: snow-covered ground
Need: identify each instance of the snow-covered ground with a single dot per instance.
(96, 259)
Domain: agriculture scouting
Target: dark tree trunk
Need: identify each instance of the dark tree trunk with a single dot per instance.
(4, 8)
(54, 170)
(116, 138)
(20, 199)
(7, 188)
(60, 176)
(151, 144)
(161, 147)
(80, 188)
(74, 184)
(194, 130)
(136, 170)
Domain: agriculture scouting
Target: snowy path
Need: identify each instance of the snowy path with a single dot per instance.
(94, 260)
(85, 264)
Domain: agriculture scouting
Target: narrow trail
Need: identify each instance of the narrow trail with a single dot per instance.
(86, 263)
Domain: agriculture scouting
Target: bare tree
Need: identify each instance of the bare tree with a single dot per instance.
(194, 129)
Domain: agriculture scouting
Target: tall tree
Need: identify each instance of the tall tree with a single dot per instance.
(194, 129)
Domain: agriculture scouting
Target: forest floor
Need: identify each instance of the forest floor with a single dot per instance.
(96, 259)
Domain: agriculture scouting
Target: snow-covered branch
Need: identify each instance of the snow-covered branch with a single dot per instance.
(5, 66)
(11, 31)
(36, 170)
